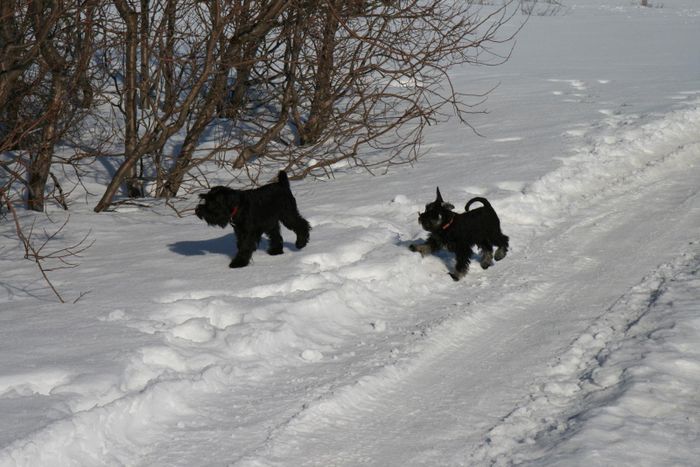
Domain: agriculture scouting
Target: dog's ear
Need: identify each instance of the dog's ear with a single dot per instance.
(202, 196)
(439, 200)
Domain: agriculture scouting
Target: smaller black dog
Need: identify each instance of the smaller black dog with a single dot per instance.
(458, 232)
(253, 213)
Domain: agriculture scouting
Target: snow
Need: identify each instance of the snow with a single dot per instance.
(579, 348)
(624, 389)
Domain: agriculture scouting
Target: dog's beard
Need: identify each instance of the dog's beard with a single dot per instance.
(215, 207)
(212, 217)
(199, 210)
(431, 222)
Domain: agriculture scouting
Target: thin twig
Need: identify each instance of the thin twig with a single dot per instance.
(35, 254)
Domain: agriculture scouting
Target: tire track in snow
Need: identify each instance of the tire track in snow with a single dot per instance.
(620, 167)
(211, 338)
(577, 381)
(195, 328)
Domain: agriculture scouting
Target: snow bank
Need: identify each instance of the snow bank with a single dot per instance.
(624, 393)
(175, 360)
(624, 151)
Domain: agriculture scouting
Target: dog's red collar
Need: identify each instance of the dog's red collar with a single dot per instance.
(447, 226)
(234, 211)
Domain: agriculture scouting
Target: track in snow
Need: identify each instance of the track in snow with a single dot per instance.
(335, 371)
(463, 388)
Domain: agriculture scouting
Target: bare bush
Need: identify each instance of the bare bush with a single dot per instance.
(300, 85)
(35, 249)
(541, 7)
(170, 92)
(371, 78)
(44, 85)
(245, 85)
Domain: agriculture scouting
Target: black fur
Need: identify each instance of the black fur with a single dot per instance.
(253, 213)
(459, 232)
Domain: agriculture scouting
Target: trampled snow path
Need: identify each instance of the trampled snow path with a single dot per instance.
(480, 336)
(601, 400)
(579, 348)
(318, 361)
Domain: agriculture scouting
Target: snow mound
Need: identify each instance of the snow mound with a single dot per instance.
(614, 393)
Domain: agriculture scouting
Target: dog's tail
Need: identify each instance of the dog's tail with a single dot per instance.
(282, 179)
(478, 199)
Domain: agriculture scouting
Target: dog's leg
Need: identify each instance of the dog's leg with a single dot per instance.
(502, 249)
(430, 246)
(275, 240)
(247, 244)
(300, 226)
(486, 256)
(462, 266)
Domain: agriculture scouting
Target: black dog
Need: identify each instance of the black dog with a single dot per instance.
(253, 213)
(458, 232)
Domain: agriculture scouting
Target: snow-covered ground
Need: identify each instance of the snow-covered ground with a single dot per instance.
(582, 347)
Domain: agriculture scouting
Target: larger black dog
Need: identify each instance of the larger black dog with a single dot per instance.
(458, 232)
(253, 213)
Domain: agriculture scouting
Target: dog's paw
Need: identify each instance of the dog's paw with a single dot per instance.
(500, 254)
(458, 274)
(486, 259)
(423, 249)
(275, 251)
(302, 239)
(238, 263)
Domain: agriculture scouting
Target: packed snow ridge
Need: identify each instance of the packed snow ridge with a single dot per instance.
(224, 341)
(579, 348)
